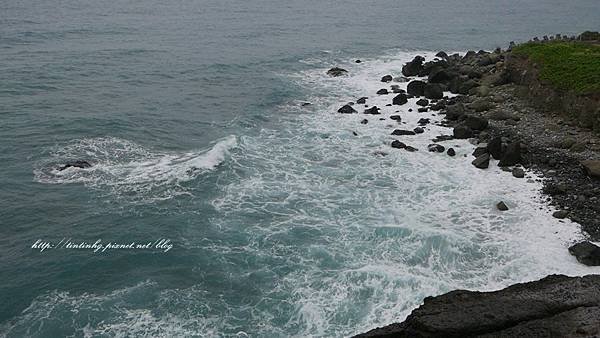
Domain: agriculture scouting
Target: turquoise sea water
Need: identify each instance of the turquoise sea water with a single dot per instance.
(283, 223)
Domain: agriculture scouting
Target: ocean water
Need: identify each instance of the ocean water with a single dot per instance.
(282, 221)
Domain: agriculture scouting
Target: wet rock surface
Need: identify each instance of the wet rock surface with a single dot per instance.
(555, 306)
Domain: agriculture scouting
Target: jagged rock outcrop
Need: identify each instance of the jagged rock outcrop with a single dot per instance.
(555, 306)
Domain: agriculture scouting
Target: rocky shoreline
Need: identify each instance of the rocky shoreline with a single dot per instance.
(494, 105)
(555, 306)
(521, 124)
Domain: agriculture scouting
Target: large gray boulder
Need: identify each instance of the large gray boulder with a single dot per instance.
(555, 306)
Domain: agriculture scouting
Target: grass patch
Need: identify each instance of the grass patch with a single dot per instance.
(573, 66)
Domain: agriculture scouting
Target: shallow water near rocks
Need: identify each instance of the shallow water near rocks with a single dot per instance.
(284, 222)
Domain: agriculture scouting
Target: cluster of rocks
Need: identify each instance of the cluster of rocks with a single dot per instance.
(505, 128)
(555, 306)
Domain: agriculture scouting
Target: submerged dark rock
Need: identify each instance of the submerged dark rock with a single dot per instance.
(403, 132)
(373, 111)
(337, 71)
(436, 148)
(382, 91)
(362, 100)
(398, 145)
(75, 164)
(555, 306)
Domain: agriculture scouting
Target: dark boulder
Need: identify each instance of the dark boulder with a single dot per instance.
(511, 156)
(347, 109)
(586, 253)
(496, 148)
(416, 88)
(337, 71)
(462, 132)
(423, 121)
(480, 151)
(364, 121)
(422, 102)
(451, 152)
(387, 78)
(560, 214)
(555, 306)
(396, 118)
(373, 110)
(455, 112)
(423, 109)
(419, 130)
(502, 206)
(518, 172)
(442, 55)
(398, 145)
(482, 162)
(591, 168)
(403, 132)
(400, 99)
(476, 123)
(362, 100)
(411, 149)
(433, 91)
(382, 91)
(436, 148)
(440, 75)
(414, 67)
(75, 164)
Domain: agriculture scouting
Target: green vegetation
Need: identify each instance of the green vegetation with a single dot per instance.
(566, 65)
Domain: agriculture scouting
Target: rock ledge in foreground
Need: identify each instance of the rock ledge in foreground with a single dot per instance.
(555, 306)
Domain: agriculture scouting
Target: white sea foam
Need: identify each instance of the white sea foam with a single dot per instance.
(125, 168)
(343, 239)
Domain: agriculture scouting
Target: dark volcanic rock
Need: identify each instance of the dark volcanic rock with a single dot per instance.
(411, 149)
(480, 151)
(347, 109)
(518, 172)
(386, 78)
(511, 156)
(364, 121)
(560, 214)
(462, 132)
(362, 100)
(555, 306)
(396, 118)
(382, 91)
(476, 123)
(482, 162)
(455, 111)
(433, 91)
(591, 168)
(403, 132)
(416, 88)
(495, 148)
(451, 152)
(373, 110)
(442, 55)
(502, 206)
(436, 148)
(75, 164)
(414, 67)
(419, 130)
(398, 145)
(586, 253)
(337, 71)
(423, 121)
(423, 109)
(400, 99)
(422, 102)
